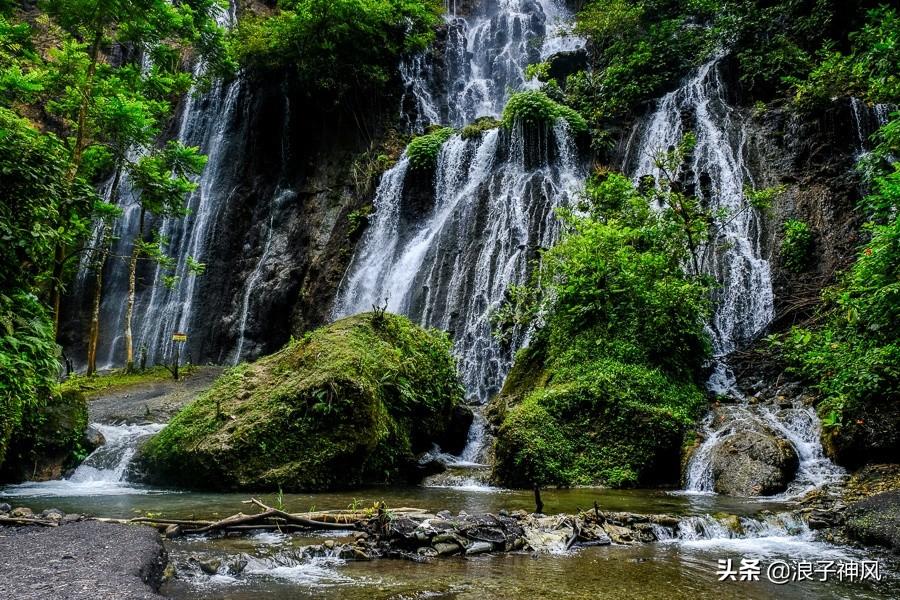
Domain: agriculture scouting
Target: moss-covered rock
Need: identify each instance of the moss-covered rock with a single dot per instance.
(349, 404)
(535, 107)
(423, 151)
(876, 520)
(612, 423)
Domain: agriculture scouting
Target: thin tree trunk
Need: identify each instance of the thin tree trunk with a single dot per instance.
(74, 165)
(132, 292)
(86, 94)
(59, 257)
(95, 311)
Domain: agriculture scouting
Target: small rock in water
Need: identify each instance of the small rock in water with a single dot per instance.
(211, 566)
(172, 531)
(479, 548)
(427, 552)
(359, 554)
(446, 548)
(237, 567)
(445, 515)
(328, 544)
(53, 514)
(21, 512)
(360, 536)
(93, 437)
(5, 508)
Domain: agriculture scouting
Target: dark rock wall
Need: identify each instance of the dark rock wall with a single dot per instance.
(292, 161)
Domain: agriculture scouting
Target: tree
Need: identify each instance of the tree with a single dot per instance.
(107, 109)
(162, 180)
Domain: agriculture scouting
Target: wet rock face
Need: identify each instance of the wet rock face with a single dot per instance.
(753, 463)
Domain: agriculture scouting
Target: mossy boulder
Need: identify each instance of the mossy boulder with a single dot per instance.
(349, 404)
(613, 423)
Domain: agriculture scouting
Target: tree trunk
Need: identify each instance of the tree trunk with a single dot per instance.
(74, 165)
(86, 95)
(95, 310)
(59, 257)
(132, 292)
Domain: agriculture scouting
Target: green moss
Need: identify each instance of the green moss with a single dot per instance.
(614, 423)
(350, 404)
(480, 125)
(535, 107)
(423, 151)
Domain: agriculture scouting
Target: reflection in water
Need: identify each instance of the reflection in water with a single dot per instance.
(178, 504)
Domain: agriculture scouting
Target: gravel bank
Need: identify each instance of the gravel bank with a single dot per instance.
(81, 561)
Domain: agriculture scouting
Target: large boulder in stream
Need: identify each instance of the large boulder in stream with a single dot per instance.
(349, 404)
(753, 463)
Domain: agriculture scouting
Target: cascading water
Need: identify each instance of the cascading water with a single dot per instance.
(103, 473)
(493, 197)
(743, 300)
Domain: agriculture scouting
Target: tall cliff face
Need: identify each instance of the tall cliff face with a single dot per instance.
(269, 221)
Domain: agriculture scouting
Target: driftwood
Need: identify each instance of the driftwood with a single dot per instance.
(26, 521)
(268, 519)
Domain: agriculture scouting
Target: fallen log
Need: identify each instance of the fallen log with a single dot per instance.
(24, 521)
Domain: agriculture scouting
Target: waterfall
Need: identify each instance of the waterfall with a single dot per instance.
(494, 196)
(743, 301)
(718, 175)
(204, 121)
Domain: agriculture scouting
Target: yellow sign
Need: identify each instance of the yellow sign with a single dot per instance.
(179, 337)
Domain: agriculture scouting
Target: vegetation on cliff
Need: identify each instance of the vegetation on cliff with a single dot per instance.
(349, 404)
(337, 46)
(854, 356)
(610, 385)
(76, 106)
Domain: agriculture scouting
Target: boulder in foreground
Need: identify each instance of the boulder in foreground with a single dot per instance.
(349, 404)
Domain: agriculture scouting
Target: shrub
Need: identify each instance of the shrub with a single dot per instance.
(796, 246)
(480, 125)
(535, 107)
(423, 151)
(337, 46)
(610, 387)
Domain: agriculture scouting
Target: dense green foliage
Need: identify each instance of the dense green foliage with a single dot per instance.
(534, 107)
(639, 48)
(619, 354)
(423, 151)
(28, 366)
(75, 103)
(868, 71)
(811, 51)
(348, 404)
(796, 245)
(336, 46)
